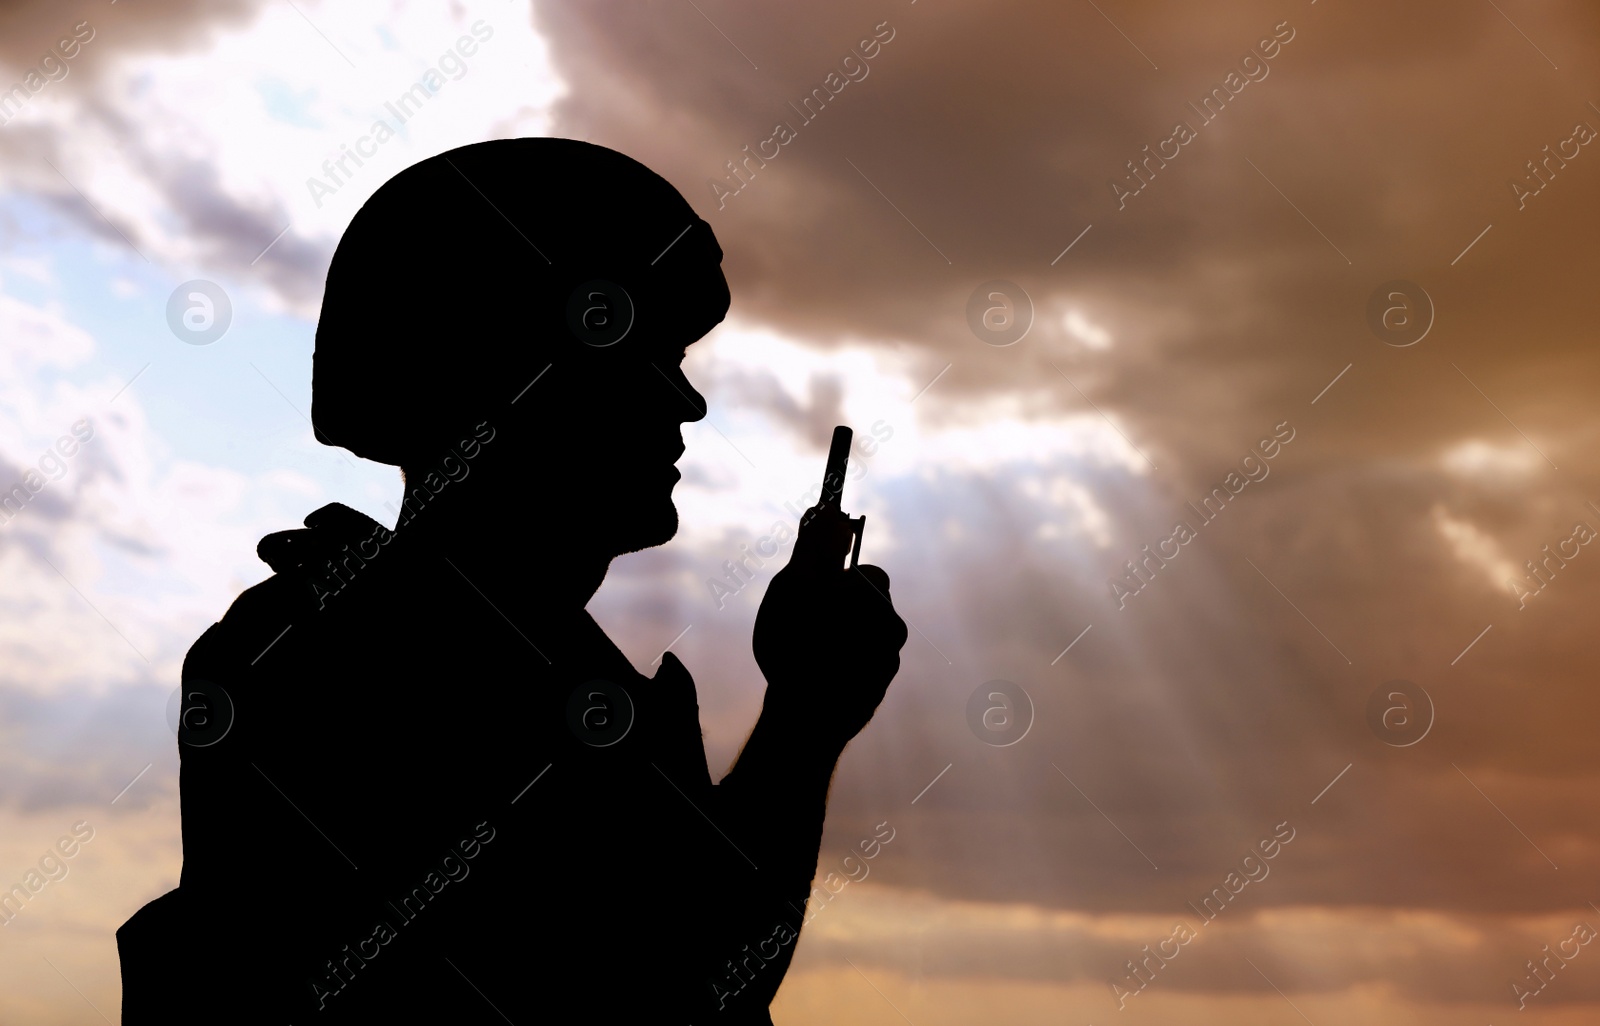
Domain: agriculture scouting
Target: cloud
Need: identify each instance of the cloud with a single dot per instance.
(1415, 957)
(1008, 484)
(82, 747)
(813, 421)
(151, 147)
(30, 28)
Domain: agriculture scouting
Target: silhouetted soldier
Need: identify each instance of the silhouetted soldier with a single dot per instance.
(419, 783)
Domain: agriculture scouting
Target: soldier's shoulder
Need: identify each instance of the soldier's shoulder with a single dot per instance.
(305, 572)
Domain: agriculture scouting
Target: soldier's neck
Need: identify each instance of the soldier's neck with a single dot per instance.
(521, 565)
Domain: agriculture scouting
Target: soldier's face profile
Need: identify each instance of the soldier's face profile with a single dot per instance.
(616, 426)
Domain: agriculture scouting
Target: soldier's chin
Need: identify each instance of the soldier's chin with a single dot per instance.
(645, 524)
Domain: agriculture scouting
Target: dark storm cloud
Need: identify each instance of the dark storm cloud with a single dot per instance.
(996, 131)
(1210, 707)
(30, 28)
(1234, 284)
(1205, 712)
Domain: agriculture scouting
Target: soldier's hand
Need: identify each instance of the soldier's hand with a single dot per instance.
(827, 639)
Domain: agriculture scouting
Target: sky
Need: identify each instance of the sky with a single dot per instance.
(1070, 270)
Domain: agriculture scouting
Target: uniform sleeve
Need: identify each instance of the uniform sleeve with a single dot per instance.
(240, 855)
